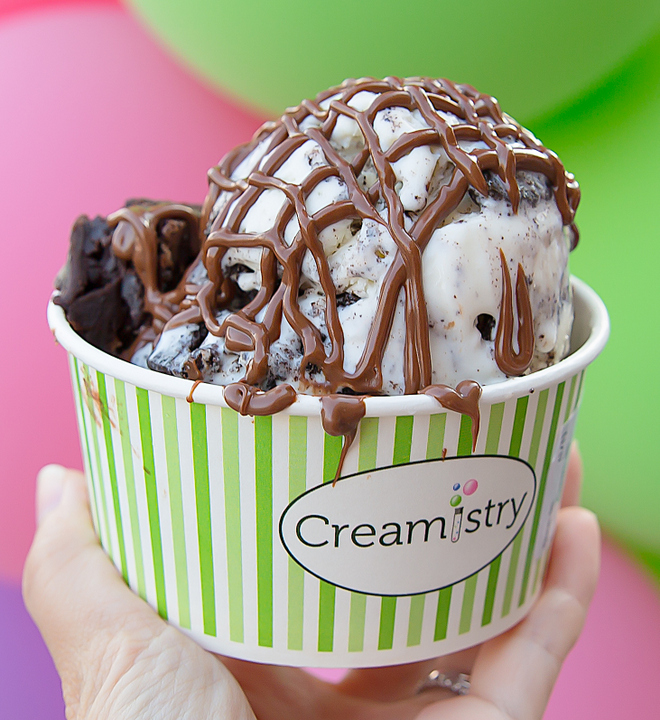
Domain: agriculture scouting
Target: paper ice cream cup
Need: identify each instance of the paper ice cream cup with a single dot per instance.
(230, 527)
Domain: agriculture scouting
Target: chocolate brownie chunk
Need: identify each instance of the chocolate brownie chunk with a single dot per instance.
(91, 288)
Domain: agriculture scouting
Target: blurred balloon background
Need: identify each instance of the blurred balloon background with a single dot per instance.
(100, 102)
(533, 57)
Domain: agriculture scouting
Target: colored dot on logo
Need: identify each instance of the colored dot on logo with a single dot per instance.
(470, 487)
(457, 486)
(456, 500)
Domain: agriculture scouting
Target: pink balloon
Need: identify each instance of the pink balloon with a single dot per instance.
(470, 487)
(8, 7)
(94, 113)
(621, 640)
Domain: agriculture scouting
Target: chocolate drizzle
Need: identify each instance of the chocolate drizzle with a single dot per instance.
(509, 360)
(135, 240)
(195, 385)
(247, 400)
(464, 400)
(341, 415)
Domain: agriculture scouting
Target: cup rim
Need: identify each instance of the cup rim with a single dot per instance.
(585, 299)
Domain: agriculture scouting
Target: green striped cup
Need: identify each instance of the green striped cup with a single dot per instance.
(229, 526)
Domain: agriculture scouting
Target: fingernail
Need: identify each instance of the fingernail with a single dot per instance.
(50, 485)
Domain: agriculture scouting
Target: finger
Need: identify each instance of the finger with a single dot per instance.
(516, 672)
(573, 483)
(74, 594)
(402, 681)
(116, 657)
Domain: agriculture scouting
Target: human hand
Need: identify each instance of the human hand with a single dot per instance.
(118, 659)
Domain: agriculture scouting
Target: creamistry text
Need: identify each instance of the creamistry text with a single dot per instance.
(316, 530)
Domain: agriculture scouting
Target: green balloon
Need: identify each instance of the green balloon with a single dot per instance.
(532, 56)
(650, 559)
(611, 141)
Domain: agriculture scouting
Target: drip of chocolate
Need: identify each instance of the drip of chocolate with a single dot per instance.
(341, 415)
(464, 400)
(509, 360)
(247, 400)
(196, 384)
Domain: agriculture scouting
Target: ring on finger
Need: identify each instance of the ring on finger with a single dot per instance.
(458, 683)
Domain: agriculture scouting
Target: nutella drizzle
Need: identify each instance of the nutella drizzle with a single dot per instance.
(341, 415)
(480, 119)
(135, 239)
(464, 400)
(196, 384)
(509, 360)
(248, 400)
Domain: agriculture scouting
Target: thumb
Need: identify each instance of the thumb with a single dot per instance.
(75, 595)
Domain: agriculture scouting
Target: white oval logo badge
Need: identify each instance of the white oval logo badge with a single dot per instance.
(410, 529)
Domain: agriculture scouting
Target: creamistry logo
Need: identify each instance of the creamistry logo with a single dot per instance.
(410, 528)
(469, 488)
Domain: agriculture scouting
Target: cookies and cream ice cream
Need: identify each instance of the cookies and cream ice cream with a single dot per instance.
(387, 237)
